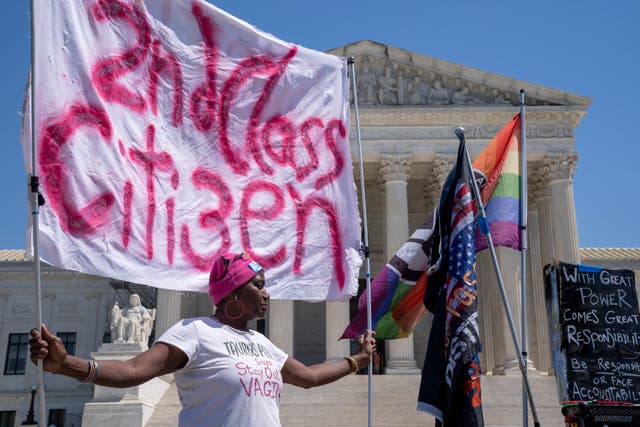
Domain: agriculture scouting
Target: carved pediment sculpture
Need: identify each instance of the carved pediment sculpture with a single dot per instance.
(386, 75)
(389, 83)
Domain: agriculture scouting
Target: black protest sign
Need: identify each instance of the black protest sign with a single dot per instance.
(599, 332)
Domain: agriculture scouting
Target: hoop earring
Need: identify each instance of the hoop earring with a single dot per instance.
(226, 309)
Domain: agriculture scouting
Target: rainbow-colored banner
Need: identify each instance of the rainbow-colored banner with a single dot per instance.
(500, 162)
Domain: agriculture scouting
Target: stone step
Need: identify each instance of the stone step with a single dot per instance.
(166, 413)
(345, 403)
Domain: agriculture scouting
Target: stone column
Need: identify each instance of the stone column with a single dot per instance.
(394, 174)
(188, 306)
(546, 232)
(547, 250)
(337, 317)
(490, 315)
(442, 165)
(169, 310)
(509, 261)
(281, 324)
(561, 169)
(537, 316)
(533, 252)
(393, 177)
(101, 317)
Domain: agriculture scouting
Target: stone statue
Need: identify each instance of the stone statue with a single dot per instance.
(498, 98)
(415, 95)
(438, 94)
(401, 88)
(423, 84)
(387, 89)
(462, 97)
(133, 323)
(367, 83)
(114, 318)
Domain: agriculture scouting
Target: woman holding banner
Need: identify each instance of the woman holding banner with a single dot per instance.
(226, 374)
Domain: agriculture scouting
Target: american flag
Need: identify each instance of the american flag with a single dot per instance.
(450, 385)
(461, 277)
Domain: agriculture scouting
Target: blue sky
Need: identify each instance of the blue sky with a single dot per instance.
(589, 48)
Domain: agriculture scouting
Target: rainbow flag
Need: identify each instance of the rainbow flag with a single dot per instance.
(500, 162)
(397, 290)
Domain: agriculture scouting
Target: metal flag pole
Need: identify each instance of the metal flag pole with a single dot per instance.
(523, 253)
(36, 202)
(483, 225)
(365, 239)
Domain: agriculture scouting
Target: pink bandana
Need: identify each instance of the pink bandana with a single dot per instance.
(230, 271)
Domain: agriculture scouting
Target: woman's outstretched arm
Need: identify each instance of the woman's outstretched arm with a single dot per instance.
(160, 359)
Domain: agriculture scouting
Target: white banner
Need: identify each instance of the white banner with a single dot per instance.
(169, 132)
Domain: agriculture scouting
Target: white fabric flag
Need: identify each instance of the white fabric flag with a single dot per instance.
(169, 132)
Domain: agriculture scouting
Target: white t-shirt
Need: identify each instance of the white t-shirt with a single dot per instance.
(232, 377)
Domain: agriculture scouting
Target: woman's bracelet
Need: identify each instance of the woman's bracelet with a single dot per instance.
(352, 364)
(86, 379)
(93, 371)
(95, 375)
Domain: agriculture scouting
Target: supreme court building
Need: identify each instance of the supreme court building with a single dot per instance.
(409, 105)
